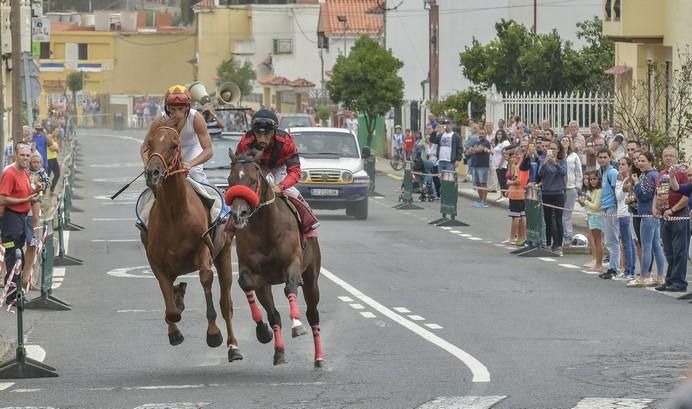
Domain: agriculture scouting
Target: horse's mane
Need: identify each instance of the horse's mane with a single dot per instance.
(164, 121)
(253, 155)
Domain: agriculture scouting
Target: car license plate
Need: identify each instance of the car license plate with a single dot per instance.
(324, 192)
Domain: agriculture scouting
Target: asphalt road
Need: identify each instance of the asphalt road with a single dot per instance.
(412, 316)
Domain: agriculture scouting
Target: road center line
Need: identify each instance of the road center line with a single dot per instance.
(479, 371)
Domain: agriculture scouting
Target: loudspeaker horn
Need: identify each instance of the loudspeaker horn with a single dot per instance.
(199, 92)
(228, 93)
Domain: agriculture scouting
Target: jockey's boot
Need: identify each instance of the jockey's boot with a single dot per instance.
(307, 216)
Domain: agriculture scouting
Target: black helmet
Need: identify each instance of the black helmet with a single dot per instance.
(264, 120)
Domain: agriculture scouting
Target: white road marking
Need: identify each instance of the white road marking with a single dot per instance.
(115, 240)
(445, 228)
(569, 266)
(145, 272)
(546, 259)
(123, 196)
(345, 298)
(66, 241)
(468, 402)
(123, 137)
(474, 238)
(357, 306)
(367, 314)
(117, 165)
(590, 272)
(433, 326)
(174, 405)
(416, 318)
(401, 310)
(499, 245)
(465, 235)
(35, 352)
(113, 219)
(58, 271)
(25, 390)
(455, 231)
(478, 370)
(5, 385)
(595, 403)
(118, 203)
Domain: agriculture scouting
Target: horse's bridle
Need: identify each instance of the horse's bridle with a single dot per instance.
(258, 186)
(175, 166)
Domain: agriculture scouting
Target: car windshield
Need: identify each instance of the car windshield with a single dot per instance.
(294, 122)
(316, 143)
(220, 147)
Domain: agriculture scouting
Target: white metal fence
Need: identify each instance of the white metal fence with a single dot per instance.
(558, 108)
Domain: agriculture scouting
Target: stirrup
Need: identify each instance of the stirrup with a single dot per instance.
(141, 227)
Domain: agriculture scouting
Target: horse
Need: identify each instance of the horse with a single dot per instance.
(271, 251)
(176, 242)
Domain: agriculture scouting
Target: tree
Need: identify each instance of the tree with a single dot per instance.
(241, 74)
(366, 81)
(519, 60)
(657, 112)
(324, 112)
(186, 14)
(455, 106)
(75, 83)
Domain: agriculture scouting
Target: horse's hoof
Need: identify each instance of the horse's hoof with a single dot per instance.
(214, 340)
(234, 355)
(320, 363)
(176, 338)
(279, 358)
(298, 331)
(264, 335)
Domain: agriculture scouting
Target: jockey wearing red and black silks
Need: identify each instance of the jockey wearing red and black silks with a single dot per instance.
(281, 151)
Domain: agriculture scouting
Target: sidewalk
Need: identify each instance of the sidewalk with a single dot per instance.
(466, 191)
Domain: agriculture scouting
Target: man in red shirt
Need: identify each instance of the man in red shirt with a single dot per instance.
(17, 196)
(409, 144)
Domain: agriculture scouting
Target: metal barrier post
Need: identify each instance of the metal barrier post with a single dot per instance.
(535, 226)
(22, 366)
(449, 197)
(67, 206)
(46, 301)
(63, 259)
(406, 197)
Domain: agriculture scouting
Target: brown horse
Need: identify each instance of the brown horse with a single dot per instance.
(270, 251)
(175, 241)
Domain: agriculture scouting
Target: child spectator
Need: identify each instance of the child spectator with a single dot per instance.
(517, 180)
(409, 144)
(39, 180)
(590, 198)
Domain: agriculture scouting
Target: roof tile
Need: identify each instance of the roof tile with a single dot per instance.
(362, 17)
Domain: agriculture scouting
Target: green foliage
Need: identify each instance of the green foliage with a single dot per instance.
(455, 106)
(186, 14)
(519, 60)
(367, 81)
(324, 112)
(241, 74)
(75, 81)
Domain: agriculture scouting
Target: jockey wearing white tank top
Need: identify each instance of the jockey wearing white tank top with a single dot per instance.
(190, 145)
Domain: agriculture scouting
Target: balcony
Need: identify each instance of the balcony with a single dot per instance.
(641, 21)
(55, 65)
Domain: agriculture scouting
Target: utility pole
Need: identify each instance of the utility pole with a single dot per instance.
(16, 31)
(2, 98)
(535, 15)
(434, 53)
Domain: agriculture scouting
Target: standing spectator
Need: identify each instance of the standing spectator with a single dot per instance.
(40, 144)
(552, 172)
(645, 191)
(593, 143)
(578, 141)
(499, 161)
(572, 185)
(398, 139)
(53, 165)
(480, 152)
(624, 217)
(590, 198)
(606, 132)
(517, 181)
(449, 149)
(39, 182)
(409, 144)
(609, 207)
(352, 123)
(617, 146)
(17, 196)
(214, 124)
(474, 130)
(675, 234)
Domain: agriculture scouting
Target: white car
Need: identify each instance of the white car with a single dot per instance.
(332, 174)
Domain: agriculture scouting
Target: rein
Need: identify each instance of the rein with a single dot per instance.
(175, 166)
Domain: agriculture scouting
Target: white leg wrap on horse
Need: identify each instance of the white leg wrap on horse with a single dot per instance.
(232, 347)
(296, 323)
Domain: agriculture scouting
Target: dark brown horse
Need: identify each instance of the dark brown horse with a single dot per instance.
(270, 252)
(175, 241)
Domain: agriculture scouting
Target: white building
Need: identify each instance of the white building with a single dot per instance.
(461, 21)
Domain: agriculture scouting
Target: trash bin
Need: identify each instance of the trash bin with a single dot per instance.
(118, 121)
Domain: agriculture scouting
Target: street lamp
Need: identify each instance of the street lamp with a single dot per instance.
(343, 20)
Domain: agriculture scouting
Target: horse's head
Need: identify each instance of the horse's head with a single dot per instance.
(247, 187)
(163, 149)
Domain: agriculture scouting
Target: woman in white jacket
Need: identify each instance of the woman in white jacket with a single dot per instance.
(572, 185)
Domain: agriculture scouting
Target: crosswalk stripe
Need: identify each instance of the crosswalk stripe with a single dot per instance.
(619, 403)
(466, 402)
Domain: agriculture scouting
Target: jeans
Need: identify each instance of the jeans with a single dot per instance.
(610, 232)
(651, 243)
(676, 239)
(553, 219)
(570, 201)
(627, 245)
(446, 165)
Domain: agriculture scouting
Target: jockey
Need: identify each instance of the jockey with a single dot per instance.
(195, 143)
(280, 157)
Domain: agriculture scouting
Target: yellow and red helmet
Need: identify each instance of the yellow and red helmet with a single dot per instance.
(178, 95)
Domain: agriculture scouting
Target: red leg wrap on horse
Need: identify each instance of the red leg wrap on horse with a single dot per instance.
(278, 339)
(254, 309)
(295, 312)
(318, 343)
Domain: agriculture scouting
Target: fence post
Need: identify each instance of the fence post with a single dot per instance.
(449, 197)
(535, 227)
(22, 366)
(406, 197)
(63, 259)
(46, 301)
(67, 205)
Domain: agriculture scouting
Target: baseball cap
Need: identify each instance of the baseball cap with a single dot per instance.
(397, 126)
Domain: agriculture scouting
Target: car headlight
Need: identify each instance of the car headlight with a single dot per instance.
(361, 177)
(303, 176)
(347, 176)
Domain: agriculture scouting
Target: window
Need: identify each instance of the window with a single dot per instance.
(45, 50)
(608, 9)
(616, 10)
(283, 46)
(82, 51)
